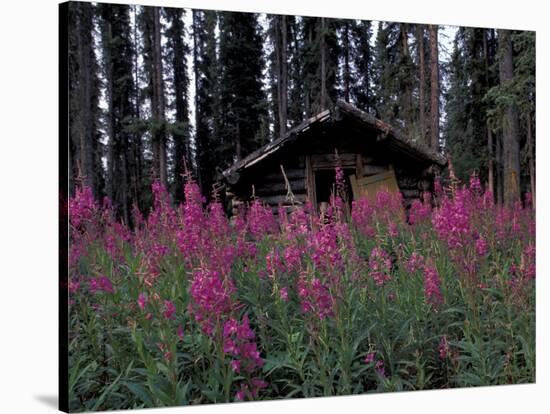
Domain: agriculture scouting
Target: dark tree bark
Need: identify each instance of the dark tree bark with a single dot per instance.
(490, 155)
(110, 121)
(434, 89)
(407, 81)
(531, 153)
(422, 81)
(182, 147)
(499, 162)
(323, 64)
(283, 97)
(279, 69)
(510, 122)
(158, 98)
(346, 69)
(117, 53)
(137, 147)
(205, 66)
(84, 98)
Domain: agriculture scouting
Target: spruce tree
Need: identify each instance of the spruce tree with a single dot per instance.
(241, 88)
(362, 93)
(153, 69)
(84, 111)
(117, 69)
(177, 55)
(206, 74)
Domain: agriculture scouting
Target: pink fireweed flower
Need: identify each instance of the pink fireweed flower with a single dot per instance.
(180, 332)
(165, 352)
(370, 357)
(340, 180)
(162, 217)
(325, 250)
(159, 250)
(529, 259)
(475, 184)
(452, 220)
(420, 212)
(238, 341)
(192, 238)
(273, 263)
(283, 294)
(380, 369)
(142, 301)
(443, 347)
(415, 262)
(241, 394)
(298, 223)
(526, 269)
(293, 258)
(315, 298)
(392, 230)
(481, 246)
(74, 285)
(101, 284)
(169, 309)
(111, 246)
(362, 216)
(257, 385)
(388, 202)
(380, 266)
(236, 366)
(432, 291)
(260, 220)
(210, 297)
(82, 207)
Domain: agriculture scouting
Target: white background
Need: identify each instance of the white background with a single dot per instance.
(28, 203)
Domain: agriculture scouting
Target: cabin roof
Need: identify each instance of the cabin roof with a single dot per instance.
(391, 137)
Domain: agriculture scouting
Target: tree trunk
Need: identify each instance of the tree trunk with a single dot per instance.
(109, 185)
(158, 94)
(283, 67)
(137, 136)
(198, 144)
(421, 91)
(531, 150)
(408, 103)
(86, 122)
(490, 167)
(498, 170)
(181, 147)
(323, 66)
(510, 122)
(347, 70)
(434, 89)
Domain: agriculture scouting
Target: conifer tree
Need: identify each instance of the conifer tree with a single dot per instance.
(178, 51)
(84, 98)
(242, 96)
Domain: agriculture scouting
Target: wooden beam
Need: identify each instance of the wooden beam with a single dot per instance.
(264, 188)
(329, 161)
(358, 165)
(310, 183)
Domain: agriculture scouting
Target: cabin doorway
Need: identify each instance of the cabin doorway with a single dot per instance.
(325, 185)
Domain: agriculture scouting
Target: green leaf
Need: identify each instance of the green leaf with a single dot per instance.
(140, 392)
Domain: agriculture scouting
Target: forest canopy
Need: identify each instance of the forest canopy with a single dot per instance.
(156, 93)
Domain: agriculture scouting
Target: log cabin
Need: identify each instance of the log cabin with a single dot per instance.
(372, 154)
